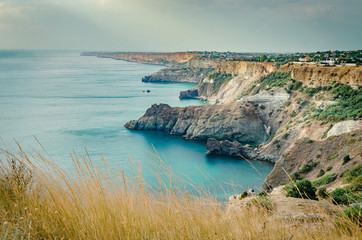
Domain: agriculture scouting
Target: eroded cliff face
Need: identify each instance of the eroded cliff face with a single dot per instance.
(234, 121)
(192, 71)
(146, 57)
(324, 75)
(242, 76)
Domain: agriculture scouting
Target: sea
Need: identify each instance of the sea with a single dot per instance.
(73, 104)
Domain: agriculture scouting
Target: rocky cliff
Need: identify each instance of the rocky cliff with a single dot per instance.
(235, 149)
(192, 71)
(145, 57)
(325, 75)
(230, 79)
(234, 121)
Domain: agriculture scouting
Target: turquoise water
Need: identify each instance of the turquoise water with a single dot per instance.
(70, 102)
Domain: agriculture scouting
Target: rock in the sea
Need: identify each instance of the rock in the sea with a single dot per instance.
(235, 149)
(235, 121)
(193, 93)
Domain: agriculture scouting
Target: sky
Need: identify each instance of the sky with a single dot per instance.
(182, 25)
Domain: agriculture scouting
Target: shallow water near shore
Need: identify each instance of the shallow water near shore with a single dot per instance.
(70, 102)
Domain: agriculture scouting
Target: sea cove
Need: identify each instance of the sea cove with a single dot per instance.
(70, 102)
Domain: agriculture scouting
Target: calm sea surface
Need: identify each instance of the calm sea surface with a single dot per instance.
(70, 102)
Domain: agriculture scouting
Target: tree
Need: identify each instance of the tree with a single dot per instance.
(262, 58)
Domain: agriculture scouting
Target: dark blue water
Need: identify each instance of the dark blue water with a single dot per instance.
(70, 102)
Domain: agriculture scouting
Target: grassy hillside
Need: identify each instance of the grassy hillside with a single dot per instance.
(38, 200)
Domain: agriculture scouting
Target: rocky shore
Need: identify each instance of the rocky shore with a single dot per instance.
(291, 112)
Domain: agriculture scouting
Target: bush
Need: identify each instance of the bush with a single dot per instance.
(308, 166)
(263, 202)
(346, 159)
(302, 189)
(243, 195)
(325, 179)
(322, 192)
(329, 168)
(353, 173)
(321, 173)
(340, 196)
(354, 213)
(295, 176)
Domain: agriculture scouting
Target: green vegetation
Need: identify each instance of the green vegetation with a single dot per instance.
(329, 168)
(308, 166)
(325, 179)
(322, 192)
(262, 202)
(321, 173)
(243, 195)
(301, 189)
(353, 192)
(274, 79)
(220, 79)
(346, 159)
(348, 105)
(326, 132)
(333, 156)
(355, 214)
(350, 174)
(295, 176)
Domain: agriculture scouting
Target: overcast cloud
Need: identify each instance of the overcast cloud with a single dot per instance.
(179, 25)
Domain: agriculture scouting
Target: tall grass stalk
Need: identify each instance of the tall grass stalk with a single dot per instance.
(99, 201)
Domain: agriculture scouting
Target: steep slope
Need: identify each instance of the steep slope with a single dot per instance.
(230, 79)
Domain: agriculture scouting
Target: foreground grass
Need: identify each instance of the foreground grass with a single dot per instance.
(38, 200)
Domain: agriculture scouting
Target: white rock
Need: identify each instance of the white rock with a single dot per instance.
(344, 127)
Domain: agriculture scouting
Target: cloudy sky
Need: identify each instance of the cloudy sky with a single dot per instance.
(179, 25)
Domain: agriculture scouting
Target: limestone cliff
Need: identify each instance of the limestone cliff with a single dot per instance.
(192, 71)
(158, 58)
(324, 75)
(230, 79)
(234, 121)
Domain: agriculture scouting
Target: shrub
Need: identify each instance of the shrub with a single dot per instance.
(295, 176)
(353, 173)
(354, 213)
(333, 156)
(346, 159)
(321, 173)
(243, 195)
(263, 202)
(339, 196)
(308, 166)
(322, 192)
(309, 141)
(329, 168)
(285, 136)
(302, 189)
(325, 179)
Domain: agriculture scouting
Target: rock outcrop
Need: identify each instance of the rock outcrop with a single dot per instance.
(234, 121)
(235, 149)
(344, 127)
(193, 93)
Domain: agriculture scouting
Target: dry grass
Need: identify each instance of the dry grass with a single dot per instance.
(38, 200)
